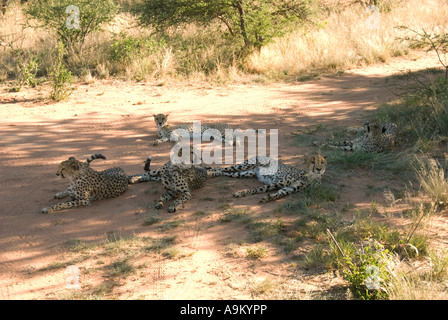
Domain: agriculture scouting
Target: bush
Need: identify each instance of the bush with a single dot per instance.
(251, 23)
(140, 57)
(60, 78)
(73, 20)
(126, 48)
(368, 271)
(26, 70)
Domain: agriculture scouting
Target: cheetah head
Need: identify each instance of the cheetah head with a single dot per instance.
(316, 164)
(69, 167)
(160, 119)
(375, 132)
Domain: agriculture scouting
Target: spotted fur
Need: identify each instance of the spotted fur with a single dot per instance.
(93, 157)
(275, 175)
(87, 185)
(149, 175)
(168, 132)
(178, 179)
(376, 138)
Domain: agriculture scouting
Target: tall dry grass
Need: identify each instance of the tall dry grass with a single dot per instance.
(341, 41)
(432, 179)
(347, 39)
(420, 280)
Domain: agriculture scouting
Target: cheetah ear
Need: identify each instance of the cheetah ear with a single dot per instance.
(166, 115)
(155, 116)
(71, 158)
(75, 165)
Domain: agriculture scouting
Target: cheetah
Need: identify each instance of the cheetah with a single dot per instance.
(154, 175)
(275, 175)
(87, 185)
(179, 178)
(168, 132)
(376, 138)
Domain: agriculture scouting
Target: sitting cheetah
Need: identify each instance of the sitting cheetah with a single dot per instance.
(167, 132)
(376, 138)
(275, 175)
(87, 184)
(178, 178)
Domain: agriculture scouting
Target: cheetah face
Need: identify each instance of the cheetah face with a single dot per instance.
(374, 131)
(316, 164)
(68, 167)
(160, 119)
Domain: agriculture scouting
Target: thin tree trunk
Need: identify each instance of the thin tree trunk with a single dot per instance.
(239, 5)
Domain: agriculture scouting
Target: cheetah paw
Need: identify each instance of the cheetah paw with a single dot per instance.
(159, 205)
(238, 194)
(171, 209)
(47, 210)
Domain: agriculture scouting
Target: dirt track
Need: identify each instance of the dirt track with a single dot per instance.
(115, 118)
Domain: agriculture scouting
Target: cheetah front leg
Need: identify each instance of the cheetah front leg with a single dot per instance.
(283, 192)
(159, 141)
(63, 194)
(166, 196)
(179, 202)
(66, 205)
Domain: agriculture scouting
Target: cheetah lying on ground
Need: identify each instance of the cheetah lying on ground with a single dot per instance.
(86, 184)
(275, 175)
(178, 178)
(167, 132)
(376, 138)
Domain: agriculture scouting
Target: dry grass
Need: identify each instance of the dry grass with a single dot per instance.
(345, 40)
(342, 41)
(431, 177)
(420, 280)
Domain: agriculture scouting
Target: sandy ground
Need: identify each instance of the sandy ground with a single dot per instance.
(115, 118)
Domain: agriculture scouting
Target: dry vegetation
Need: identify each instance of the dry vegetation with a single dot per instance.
(316, 232)
(339, 37)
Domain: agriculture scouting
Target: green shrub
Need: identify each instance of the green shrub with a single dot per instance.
(250, 23)
(126, 48)
(56, 15)
(368, 271)
(27, 67)
(60, 78)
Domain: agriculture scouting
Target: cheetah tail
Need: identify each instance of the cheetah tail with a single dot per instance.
(95, 156)
(147, 164)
